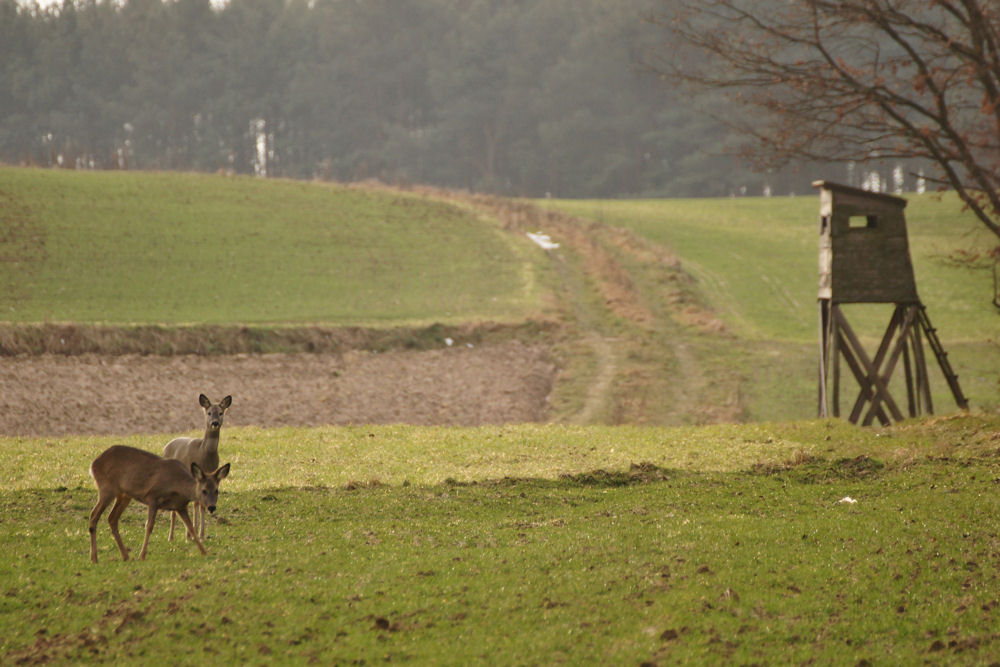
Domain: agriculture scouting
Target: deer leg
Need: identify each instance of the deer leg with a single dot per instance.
(191, 533)
(173, 518)
(187, 522)
(199, 520)
(95, 515)
(150, 520)
(121, 502)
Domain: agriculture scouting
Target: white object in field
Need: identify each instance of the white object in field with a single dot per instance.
(543, 240)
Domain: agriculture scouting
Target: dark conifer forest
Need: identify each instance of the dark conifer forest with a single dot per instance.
(515, 97)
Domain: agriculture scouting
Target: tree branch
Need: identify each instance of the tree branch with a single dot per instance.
(848, 80)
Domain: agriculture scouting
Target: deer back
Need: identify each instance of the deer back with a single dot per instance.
(193, 450)
(144, 476)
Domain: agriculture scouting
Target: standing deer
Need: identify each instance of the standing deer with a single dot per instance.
(204, 451)
(124, 474)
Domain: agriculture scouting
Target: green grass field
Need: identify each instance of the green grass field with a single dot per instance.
(534, 544)
(154, 248)
(126, 248)
(757, 259)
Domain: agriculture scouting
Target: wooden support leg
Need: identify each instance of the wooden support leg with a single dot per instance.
(824, 355)
(912, 406)
(866, 373)
(893, 345)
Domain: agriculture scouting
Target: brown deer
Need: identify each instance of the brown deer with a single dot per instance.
(204, 451)
(124, 474)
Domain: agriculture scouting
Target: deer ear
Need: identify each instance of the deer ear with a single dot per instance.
(203, 400)
(226, 402)
(196, 472)
(222, 473)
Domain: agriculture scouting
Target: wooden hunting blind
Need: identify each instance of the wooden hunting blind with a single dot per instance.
(864, 257)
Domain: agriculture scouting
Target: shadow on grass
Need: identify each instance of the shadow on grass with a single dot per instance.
(811, 469)
(802, 468)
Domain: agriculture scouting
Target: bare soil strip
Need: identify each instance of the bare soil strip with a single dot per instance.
(52, 395)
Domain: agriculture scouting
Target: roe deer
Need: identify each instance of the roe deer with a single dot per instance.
(204, 451)
(124, 474)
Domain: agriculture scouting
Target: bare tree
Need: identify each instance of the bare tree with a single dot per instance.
(856, 80)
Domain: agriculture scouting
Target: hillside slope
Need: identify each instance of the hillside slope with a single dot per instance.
(151, 248)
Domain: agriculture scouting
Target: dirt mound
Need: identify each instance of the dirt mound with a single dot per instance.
(48, 395)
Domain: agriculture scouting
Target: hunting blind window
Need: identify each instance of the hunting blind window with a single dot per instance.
(862, 221)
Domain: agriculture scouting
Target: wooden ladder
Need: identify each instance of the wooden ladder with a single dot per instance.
(932, 339)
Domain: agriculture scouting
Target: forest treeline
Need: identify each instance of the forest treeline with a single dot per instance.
(523, 97)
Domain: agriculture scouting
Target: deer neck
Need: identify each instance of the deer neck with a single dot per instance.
(210, 442)
(192, 486)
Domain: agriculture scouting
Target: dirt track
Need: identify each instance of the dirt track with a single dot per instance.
(51, 395)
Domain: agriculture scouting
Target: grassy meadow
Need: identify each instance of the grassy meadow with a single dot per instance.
(757, 260)
(130, 248)
(526, 544)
